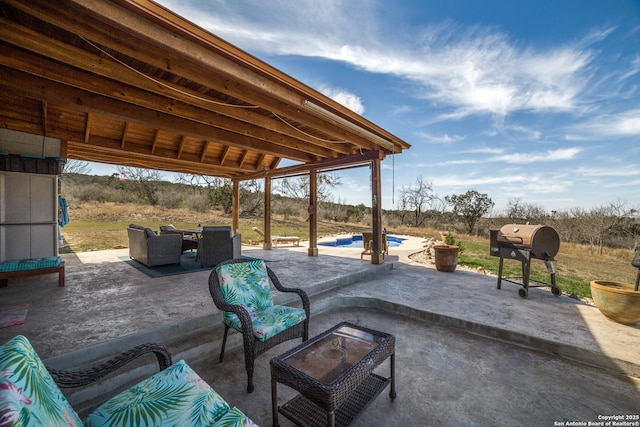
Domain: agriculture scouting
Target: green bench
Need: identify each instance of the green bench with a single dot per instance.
(31, 267)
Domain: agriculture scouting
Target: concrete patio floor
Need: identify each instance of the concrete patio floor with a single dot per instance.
(467, 353)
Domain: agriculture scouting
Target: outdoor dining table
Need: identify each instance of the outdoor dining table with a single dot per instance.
(195, 232)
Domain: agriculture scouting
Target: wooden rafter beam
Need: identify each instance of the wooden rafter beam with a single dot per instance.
(205, 148)
(224, 154)
(77, 78)
(260, 161)
(23, 84)
(123, 141)
(155, 141)
(163, 159)
(354, 159)
(87, 129)
(243, 157)
(183, 140)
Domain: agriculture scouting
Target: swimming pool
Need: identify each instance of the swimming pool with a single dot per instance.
(355, 241)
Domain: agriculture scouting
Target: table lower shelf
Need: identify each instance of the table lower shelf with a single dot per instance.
(305, 413)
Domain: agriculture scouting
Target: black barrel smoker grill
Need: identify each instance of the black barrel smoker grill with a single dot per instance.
(523, 243)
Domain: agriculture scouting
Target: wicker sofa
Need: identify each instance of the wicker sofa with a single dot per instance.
(175, 396)
(146, 247)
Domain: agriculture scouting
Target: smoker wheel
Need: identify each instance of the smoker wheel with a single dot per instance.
(556, 291)
(523, 292)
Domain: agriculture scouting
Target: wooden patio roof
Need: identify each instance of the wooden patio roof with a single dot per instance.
(128, 82)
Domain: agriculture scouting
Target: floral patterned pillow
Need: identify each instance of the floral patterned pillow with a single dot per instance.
(28, 394)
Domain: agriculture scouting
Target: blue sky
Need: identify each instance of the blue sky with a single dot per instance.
(536, 100)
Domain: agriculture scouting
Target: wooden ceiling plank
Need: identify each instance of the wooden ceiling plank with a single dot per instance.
(22, 84)
(54, 70)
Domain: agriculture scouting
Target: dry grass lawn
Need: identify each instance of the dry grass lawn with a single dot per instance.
(99, 226)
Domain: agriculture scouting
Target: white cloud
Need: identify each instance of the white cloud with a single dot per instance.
(623, 124)
(548, 156)
(344, 97)
(527, 132)
(633, 69)
(463, 162)
(468, 70)
(402, 109)
(440, 139)
(609, 172)
(519, 158)
(485, 150)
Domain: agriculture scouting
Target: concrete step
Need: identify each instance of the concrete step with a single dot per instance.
(192, 339)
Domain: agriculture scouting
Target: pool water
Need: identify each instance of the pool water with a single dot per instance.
(356, 242)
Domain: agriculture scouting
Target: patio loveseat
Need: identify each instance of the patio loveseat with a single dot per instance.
(175, 396)
(150, 249)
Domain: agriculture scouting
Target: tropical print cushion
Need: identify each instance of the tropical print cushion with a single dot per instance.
(245, 284)
(176, 397)
(235, 418)
(28, 394)
(270, 321)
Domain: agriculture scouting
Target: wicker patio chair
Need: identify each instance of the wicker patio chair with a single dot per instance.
(240, 289)
(217, 244)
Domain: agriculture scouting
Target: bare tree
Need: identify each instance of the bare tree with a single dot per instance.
(196, 182)
(603, 219)
(76, 166)
(418, 198)
(298, 187)
(251, 198)
(146, 182)
(520, 212)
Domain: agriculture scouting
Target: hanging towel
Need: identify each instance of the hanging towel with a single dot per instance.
(63, 211)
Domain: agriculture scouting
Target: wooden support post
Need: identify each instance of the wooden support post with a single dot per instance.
(267, 213)
(376, 213)
(313, 213)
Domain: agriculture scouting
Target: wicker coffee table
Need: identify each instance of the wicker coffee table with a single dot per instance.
(333, 372)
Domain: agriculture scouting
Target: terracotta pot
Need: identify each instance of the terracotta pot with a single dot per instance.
(446, 257)
(618, 301)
